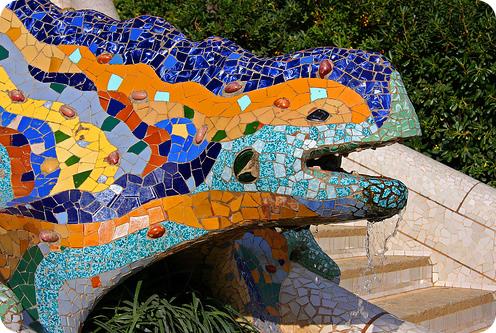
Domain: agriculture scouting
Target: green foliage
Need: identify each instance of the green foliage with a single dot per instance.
(444, 50)
(160, 314)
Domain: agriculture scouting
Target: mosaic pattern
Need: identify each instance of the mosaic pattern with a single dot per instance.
(124, 142)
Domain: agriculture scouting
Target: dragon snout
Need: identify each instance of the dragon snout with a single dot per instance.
(385, 197)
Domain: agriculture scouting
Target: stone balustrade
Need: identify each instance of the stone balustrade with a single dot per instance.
(450, 216)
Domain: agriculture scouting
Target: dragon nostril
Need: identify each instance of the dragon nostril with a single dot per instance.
(318, 115)
(246, 166)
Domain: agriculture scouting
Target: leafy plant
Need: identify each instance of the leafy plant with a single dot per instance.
(159, 314)
(444, 50)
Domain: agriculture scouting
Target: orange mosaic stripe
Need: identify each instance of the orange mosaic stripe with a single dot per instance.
(212, 210)
(142, 77)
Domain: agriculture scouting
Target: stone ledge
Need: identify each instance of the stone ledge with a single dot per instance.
(420, 173)
(484, 213)
(357, 266)
(106, 7)
(448, 212)
(340, 231)
(425, 304)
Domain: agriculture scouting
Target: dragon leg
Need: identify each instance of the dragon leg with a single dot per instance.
(304, 250)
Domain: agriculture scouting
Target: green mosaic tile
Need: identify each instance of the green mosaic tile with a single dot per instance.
(189, 112)
(79, 178)
(109, 123)
(4, 53)
(252, 127)
(72, 160)
(221, 134)
(58, 87)
(22, 280)
(304, 250)
(137, 148)
(60, 136)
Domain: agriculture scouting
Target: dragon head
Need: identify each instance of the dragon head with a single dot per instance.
(293, 145)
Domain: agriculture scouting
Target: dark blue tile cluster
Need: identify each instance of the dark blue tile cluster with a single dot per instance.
(77, 80)
(339, 209)
(127, 193)
(213, 62)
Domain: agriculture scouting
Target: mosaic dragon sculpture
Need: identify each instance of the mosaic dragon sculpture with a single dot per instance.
(124, 142)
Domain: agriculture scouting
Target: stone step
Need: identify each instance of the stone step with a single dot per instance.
(443, 309)
(391, 275)
(341, 241)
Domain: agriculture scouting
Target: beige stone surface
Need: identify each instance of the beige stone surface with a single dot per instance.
(451, 234)
(446, 271)
(449, 217)
(471, 320)
(358, 266)
(425, 304)
(103, 6)
(314, 304)
(388, 323)
(419, 173)
(480, 205)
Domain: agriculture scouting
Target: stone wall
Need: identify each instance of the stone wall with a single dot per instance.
(450, 216)
(103, 6)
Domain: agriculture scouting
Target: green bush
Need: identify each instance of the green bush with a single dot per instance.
(444, 50)
(159, 314)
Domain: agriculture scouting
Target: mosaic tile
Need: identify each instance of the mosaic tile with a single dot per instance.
(124, 142)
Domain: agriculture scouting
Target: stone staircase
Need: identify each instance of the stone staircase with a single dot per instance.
(403, 285)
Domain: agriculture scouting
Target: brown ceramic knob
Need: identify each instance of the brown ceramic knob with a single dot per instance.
(139, 95)
(270, 268)
(200, 135)
(113, 158)
(232, 87)
(17, 96)
(104, 58)
(49, 236)
(67, 111)
(282, 103)
(325, 68)
(96, 282)
(156, 231)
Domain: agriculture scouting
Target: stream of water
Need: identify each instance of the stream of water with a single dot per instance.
(376, 247)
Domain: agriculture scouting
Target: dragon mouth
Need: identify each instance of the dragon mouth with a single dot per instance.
(325, 161)
(372, 197)
(329, 158)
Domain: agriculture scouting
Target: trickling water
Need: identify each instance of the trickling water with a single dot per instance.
(375, 258)
(380, 251)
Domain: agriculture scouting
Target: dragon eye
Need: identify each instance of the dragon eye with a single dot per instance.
(318, 115)
(246, 166)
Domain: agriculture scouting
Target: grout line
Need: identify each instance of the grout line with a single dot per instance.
(444, 254)
(465, 197)
(371, 321)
